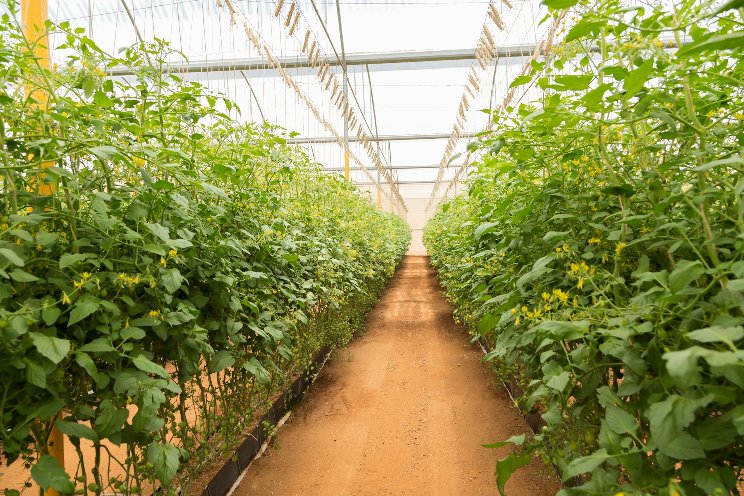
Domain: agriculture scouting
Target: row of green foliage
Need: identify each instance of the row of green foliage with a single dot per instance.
(600, 250)
(182, 264)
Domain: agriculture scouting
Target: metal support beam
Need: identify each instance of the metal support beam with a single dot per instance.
(293, 62)
(391, 137)
(367, 183)
(345, 85)
(397, 167)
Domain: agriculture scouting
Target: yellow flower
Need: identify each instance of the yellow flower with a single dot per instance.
(710, 113)
(38, 247)
(172, 252)
(547, 308)
(620, 247)
(513, 311)
(519, 319)
(154, 313)
(85, 276)
(121, 277)
(546, 296)
(66, 299)
(524, 309)
(163, 263)
(78, 284)
(566, 248)
(739, 116)
(126, 323)
(562, 296)
(580, 284)
(595, 241)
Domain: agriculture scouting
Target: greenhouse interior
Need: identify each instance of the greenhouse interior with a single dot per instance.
(366, 247)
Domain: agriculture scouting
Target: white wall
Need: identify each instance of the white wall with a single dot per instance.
(416, 198)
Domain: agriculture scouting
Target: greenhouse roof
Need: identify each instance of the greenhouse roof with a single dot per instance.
(413, 75)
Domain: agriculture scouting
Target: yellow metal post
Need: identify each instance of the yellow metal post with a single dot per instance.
(34, 14)
(379, 198)
(56, 446)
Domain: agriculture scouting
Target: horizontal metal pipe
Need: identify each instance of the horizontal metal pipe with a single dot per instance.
(391, 137)
(291, 62)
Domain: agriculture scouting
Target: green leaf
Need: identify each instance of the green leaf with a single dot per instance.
(637, 78)
(55, 349)
(221, 360)
(732, 4)
(585, 463)
(74, 429)
(584, 28)
(46, 409)
(257, 370)
(171, 279)
(559, 382)
(98, 345)
(210, 188)
(559, 4)
(484, 228)
(730, 41)
(668, 418)
(517, 440)
(145, 365)
(507, 466)
(104, 152)
(48, 473)
(87, 364)
(69, 259)
(102, 100)
(718, 334)
(50, 314)
(573, 82)
(110, 419)
(620, 421)
(159, 231)
(683, 447)
(686, 272)
(559, 329)
(23, 276)
(683, 364)
(134, 333)
(520, 80)
(35, 374)
(164, 460)
(83, 308)
(12, 257)
(717, 163)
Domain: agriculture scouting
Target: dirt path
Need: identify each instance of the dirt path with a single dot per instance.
(403, 410)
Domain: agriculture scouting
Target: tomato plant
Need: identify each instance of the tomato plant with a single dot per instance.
(164, 270)
(599, 250)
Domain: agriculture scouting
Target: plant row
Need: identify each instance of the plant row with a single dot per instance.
(164, 270)
(599, 250)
